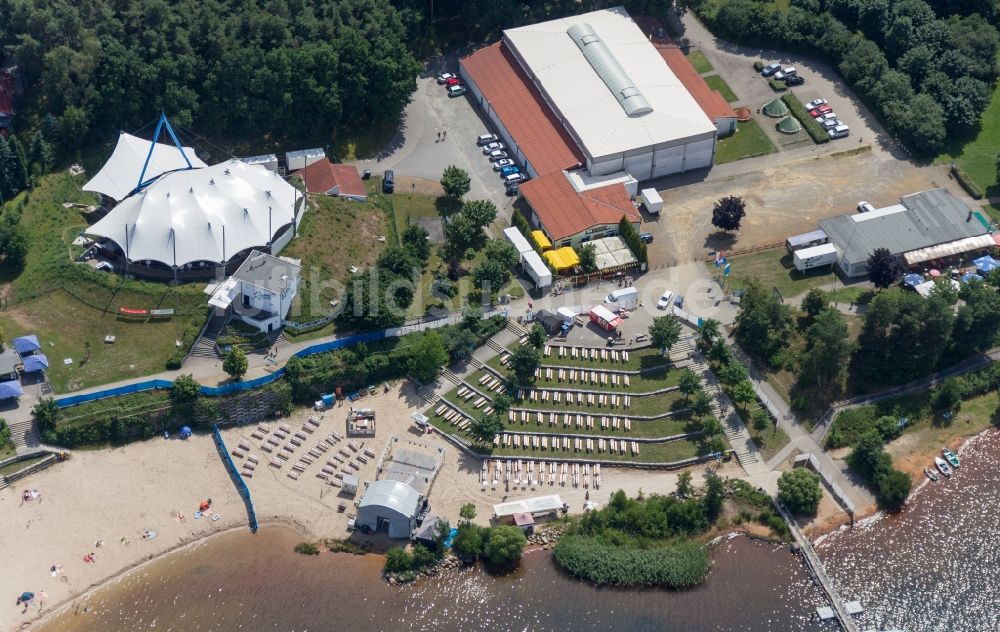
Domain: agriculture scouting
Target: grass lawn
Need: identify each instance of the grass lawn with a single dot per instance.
(715, 82)
(855, 294)
(773, 268)
(978, 156)
(992, 212)
(748, 141)
(69, 305)
(647, 358)
(770, 442)
(20, 465)
(700, 62)
(7, 451)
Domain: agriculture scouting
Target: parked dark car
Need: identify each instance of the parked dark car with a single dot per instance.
(388, 182)
(770, 69)
(794, 80)
(511, 189)
(647, 238)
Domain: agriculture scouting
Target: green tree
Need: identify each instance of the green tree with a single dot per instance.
(764, 323)
(502, 403)
(701, 405)
(504, 545)
(185, 389)
(397, 560)
(733, 373)
(689, 384)
(664, 332)
(760, 419)
(415, 240)
(467, 512)
(684, 486)
(799, 490)
(743, 394)
(455, 182)
(422, 556)
(537, 336)
(883, 269)
(5, 436)
(868, 458)
(40, 155)
(490, 276)
(588, 257)
(236, 363)
(893, 489)
(485, 427)
(428, 356)
(481, 213)
(728, 212)
(715, 495)
(468, 542)
(502, 251)
(523, 363)
(828, 350)
(708, 334)
(948, 396)
(814, 302)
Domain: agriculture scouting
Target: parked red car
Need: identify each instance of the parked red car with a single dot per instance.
(452, 81)
(820, 111)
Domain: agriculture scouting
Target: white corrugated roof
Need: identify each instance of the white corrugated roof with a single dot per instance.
(120, 174)
(585, 101)
(517, 240)
(538, 504)
(180, 218)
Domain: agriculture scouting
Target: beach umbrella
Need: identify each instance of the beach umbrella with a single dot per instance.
(935, 273)
(913, 280)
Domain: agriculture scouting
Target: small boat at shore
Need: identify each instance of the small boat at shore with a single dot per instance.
(951, 457)
(942, 466)
(931, 474)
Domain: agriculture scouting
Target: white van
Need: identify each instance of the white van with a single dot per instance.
(624, 298)
(784, 73)
(841, 131)
(514, 178)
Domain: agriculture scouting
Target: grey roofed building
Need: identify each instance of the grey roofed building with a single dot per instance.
(389, 505)
(924, 219)
(8, 364)
(267, 271)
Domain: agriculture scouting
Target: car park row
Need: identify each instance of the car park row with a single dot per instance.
(819, 109)
(496, 152)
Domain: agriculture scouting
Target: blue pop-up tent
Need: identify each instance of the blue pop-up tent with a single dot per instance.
(970, 276)
(986, 264)
(26, 344)
(36, 362)
(10, 389)
(913, 279)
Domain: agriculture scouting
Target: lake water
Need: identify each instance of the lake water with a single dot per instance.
(243, 582)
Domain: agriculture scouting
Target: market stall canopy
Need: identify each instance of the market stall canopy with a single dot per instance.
(540, 239)
(913, 280)
(986, 264)
(120, 174)
(27, 344)
(563, 258)
(37, 362)
(970, 276)
(10, 389)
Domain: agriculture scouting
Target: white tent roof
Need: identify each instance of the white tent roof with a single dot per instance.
(536, 505)
(393, 495)
(120, 174)
(207, 214)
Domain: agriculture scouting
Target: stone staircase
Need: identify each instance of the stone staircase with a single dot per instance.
(682, 350)
(496, 346)
(25, 434)
(451, 377)
(515, 328)
(733, 429)
(205, 346)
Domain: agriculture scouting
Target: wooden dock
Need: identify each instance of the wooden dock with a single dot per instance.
(819, 573)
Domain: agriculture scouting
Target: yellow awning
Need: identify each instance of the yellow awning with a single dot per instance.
(540, 239)
(563, 258)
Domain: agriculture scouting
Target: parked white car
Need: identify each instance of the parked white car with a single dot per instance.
(664, 301)
(815, 103)
(490, 147)
(503, 162)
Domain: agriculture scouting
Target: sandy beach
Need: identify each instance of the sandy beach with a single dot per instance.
(110, 494)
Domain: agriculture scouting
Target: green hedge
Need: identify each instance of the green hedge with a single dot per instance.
(680, 565)
(631, 237)
(758, 66)
(814, 129)
(963, 179)
(777, 86)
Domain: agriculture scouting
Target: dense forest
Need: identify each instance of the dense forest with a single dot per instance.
(925, 68)
(225, 68)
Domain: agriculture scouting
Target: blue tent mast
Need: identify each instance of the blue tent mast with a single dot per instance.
(163, 122)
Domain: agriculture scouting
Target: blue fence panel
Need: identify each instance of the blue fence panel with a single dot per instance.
(241, 485)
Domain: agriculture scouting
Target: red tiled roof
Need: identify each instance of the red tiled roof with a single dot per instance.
(564, 212)
(711, 101)
(537, 131)
(349, 180)
(323, 177)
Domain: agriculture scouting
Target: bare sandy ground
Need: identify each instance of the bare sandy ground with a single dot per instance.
(109, 494)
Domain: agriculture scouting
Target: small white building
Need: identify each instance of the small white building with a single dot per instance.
(260, 292)
(390, 506)
(268, 161)
(302, 158)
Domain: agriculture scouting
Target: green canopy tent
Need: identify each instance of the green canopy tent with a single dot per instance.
(776, 108)
(788, 125)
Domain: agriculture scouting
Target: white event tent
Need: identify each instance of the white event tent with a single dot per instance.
(209, 214)
(120, 174)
